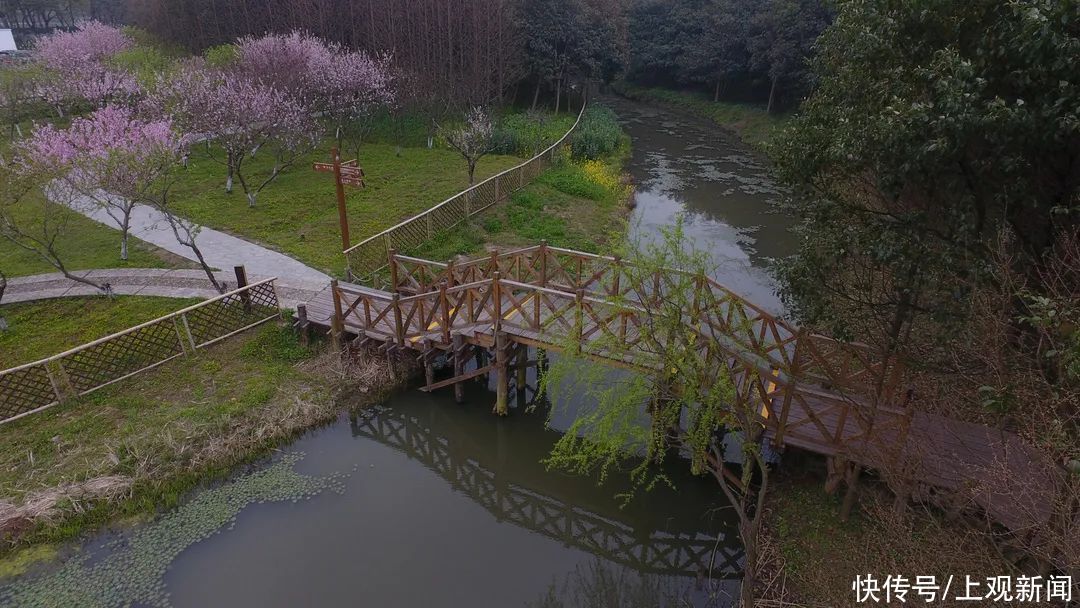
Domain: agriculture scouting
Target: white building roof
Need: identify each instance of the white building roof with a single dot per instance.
(7, 41)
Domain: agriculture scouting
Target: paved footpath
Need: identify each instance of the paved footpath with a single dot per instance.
(160, 282)
(220, 250)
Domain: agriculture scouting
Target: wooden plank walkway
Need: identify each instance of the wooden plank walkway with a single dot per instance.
(815, 393)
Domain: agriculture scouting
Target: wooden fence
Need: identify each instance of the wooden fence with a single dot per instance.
(33, 387)
(369, 256)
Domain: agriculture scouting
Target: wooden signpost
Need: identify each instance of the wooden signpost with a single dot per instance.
(345, 173)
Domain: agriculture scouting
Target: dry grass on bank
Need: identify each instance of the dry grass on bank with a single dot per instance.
(137, 446)
(813, 556)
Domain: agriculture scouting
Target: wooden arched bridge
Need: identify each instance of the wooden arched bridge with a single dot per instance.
(813, 392)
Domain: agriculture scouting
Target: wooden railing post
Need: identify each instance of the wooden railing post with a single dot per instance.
(615, 282)
(579, 319)
(789, 389)
(445, 302)
(450, 274)
(543, 263)
(399, 331)
(392, 261)
(242, 282)
(337, 324)
(496, 300)
(302, 325)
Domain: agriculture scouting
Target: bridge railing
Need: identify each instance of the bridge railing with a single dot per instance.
(370, 255)
(813, 389)
(36, 386)
(850, 367)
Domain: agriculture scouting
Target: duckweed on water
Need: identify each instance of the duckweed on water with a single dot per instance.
(132, 570)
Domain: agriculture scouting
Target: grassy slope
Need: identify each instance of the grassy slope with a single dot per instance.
(575, 205)
(85, 244)
(40, 329)
(751, 122)
(169, 429)
(297, 214)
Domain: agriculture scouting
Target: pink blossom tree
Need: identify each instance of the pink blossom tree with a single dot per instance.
(339, 85)
(110, 160)
(237, 117)
(76, 66)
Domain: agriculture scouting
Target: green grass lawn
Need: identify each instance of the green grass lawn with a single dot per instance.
(297, 214)
(751, 122)
(576, 205)
(85, 244)
(40, 329)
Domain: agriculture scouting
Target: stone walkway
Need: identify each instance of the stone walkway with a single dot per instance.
(220, 250)
(153, 282)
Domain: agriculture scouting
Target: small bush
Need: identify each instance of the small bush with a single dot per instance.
(597, 135)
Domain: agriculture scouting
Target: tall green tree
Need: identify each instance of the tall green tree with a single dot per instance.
(782, 39)
(714, 35)
(552, 34)
(934, 128)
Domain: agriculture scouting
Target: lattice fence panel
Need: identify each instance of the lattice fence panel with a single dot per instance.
(411, 234)
(483, 197)
(231, 314)
(447, 215)
(125, 354)
(25, 390)
(368, 256)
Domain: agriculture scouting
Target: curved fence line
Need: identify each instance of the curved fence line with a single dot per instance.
(33, 387)
(371, 255)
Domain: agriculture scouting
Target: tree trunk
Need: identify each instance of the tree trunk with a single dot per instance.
(558, 94)
(229, 178)
(716, 91)
(772, 95)
(536, 94)
(251, 197)
(124, 245)
(472, 172)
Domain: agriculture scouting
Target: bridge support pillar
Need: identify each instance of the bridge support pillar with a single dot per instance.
(522, 367)
(502, 380)
(459, 366)
(429, 363)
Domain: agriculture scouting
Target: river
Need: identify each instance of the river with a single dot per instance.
(423, 502)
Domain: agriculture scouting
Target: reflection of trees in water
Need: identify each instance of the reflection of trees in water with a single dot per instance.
(672, 554)
(603, 585)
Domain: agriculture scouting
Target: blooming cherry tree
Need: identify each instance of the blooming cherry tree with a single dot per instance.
(237, 116)
(76, 66)
(473, 140)
(110, 160)
(339, 85)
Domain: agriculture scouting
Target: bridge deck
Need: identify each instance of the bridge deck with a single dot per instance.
(814, 392)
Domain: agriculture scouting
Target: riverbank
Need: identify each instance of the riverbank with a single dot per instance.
(817, 555)
(754, 126)
(577, 204)
(135, 448)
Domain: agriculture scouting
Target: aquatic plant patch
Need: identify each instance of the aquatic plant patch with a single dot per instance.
(130, 570)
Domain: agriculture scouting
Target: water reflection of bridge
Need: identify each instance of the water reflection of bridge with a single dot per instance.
(684, 553)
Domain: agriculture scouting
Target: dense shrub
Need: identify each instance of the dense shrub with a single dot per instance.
(597, 135)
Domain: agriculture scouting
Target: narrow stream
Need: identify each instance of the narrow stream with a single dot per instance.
(424, 502)
(685, 166)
